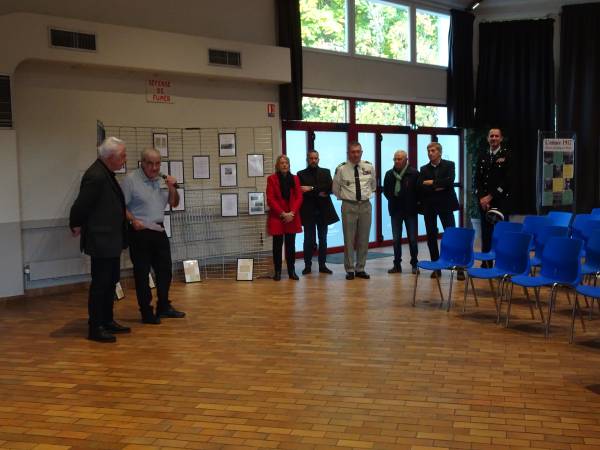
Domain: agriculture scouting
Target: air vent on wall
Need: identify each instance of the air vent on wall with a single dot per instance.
(72, 39)
(5, 104)
(225, 58)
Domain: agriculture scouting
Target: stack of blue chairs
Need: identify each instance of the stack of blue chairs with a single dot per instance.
(499, 229)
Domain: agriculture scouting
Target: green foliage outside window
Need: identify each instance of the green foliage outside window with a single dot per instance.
(382, 30)
(316, 109)
(324, 24)
(381, 113)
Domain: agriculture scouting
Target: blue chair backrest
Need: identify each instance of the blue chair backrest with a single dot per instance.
(512, 256)
(561, 261)
(545, 234)
(581, 224)
(590, 229)
(596, 212)
(592, 251)
(534, 224)
(504, 227)
(560, 218)
(457, 246)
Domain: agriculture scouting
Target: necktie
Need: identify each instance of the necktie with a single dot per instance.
(357, 183)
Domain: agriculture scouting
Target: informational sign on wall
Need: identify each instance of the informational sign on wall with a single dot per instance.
(158, 91)
(557, 164)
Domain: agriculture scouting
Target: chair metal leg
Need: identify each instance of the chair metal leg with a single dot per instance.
(474, 292)
(578, 309)
(568, 297)
(467, 277)
(494, 295)
(439, 285)
(415, 288)
(509, 304)
(550, 307)
(450, 292)
(538, 304)
(502, 286)
(529, 303)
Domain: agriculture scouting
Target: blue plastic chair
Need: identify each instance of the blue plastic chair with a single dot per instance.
(533, 225)
(582, 223)
(512, 258)
(591, 292)
(499, 229)
(560, 218)
(561, 267)
(596, 212)
(591, 265)
(543, 236)
(456, 252)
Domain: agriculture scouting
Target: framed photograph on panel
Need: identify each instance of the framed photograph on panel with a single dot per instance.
(226, 144)
(256, 203)
(229, 205)
(229, 175)
(256, 166)
(245, 269)
(191, 270)
(161, 143)
(201, 165)
(176, 170)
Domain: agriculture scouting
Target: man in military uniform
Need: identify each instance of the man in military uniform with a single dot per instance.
(492, 185)
(354, 184)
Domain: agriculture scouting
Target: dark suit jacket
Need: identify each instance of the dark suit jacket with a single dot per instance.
(100, 212)
(492, 176)
(444, 199)
(406, 202)
(321, 180)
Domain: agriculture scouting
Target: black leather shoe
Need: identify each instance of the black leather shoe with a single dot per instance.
(325, 269)
(277, 276)
(116, 328)
(436, 274)
(349, 275)
(100, 334)
(150, 319)
(170, 313)
(293, 276)
(306, 271)
(363, 275)
(415, 270)
(395, 269)
(460, 275)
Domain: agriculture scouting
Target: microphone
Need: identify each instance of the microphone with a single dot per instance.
(164, 177)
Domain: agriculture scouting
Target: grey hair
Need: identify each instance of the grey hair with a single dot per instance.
(109, 146)
(437, 145)
(401, 152)
(147, 151)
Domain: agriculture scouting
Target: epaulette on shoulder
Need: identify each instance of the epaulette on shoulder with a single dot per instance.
(365, 161)
(340, 164)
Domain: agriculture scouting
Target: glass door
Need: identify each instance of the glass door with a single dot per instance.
(390, 143)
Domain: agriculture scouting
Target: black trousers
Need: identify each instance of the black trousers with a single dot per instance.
(105, 275)
(310, 238)
(290, 251)
(151, 249)
(487, 229)
(447, 219)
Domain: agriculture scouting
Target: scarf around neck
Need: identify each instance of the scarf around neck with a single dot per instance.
(398, 176)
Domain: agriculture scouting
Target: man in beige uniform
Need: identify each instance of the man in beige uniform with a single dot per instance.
(354, 184)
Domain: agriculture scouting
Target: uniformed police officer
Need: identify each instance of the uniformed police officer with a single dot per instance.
(354, 184)
(492, 184)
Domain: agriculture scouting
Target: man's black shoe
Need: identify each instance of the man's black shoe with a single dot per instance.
(395, 269)
(150, 319)
(306, 271)
(99, 334)
(415, 270)
(277, 276)
(325, 269)
(171, 313)
(436, 274)
(460, 275)
(116, 328)
(349, 275)
(363, 275)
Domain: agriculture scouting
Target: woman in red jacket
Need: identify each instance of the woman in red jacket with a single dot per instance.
(284, 197)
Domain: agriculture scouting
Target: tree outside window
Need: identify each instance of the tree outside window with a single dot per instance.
(324, 24)
(318, 109)
(381, 113)
(432, 38)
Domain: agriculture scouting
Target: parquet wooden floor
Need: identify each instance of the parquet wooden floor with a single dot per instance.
(322, 363)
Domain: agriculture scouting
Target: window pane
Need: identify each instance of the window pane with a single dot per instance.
(380, 113)
(431, 116)
(323, 24)
(367, 142)
(432, 38)
(316, 109)
(382, 29)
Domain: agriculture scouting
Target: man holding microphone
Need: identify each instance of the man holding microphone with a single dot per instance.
(146, 196)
